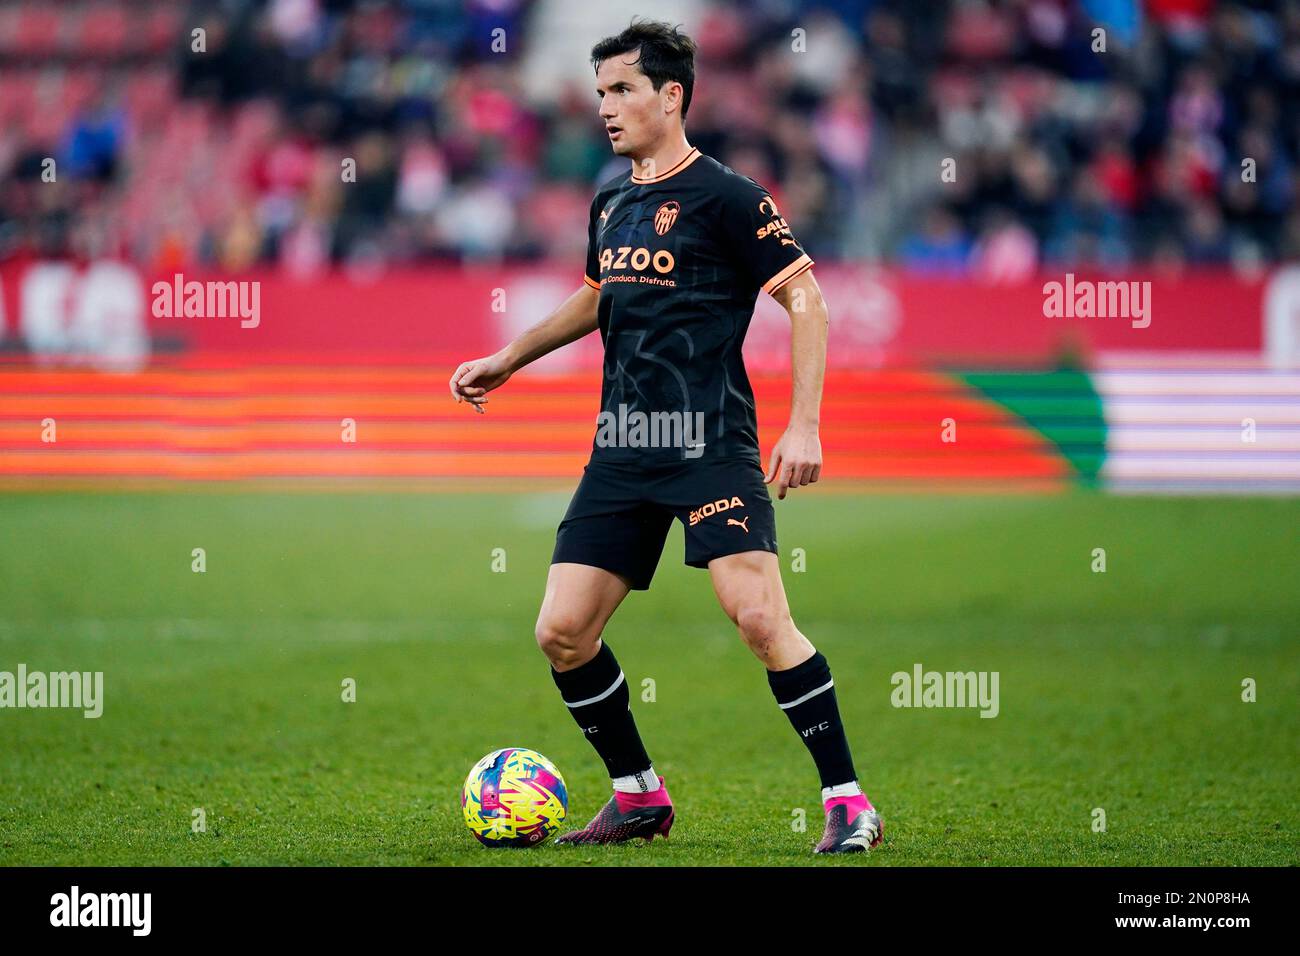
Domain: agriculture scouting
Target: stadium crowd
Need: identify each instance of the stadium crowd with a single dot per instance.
(972, 137)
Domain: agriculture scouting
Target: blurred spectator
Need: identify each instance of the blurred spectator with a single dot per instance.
(1088, 229)
(95, 140)
(940, 246)
(1006, 252)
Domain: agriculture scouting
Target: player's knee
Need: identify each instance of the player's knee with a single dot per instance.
(762, 625)
(564, 639)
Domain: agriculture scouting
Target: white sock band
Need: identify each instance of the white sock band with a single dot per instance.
(643, 781)
(850, 789)
(599, 697)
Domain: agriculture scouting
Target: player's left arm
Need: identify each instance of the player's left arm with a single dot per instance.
(797, 456)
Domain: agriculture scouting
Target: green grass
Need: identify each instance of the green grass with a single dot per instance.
(1118, 690)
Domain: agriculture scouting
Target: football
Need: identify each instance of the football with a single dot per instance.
(514, 797)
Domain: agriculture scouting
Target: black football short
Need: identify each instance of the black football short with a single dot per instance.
(619, 516)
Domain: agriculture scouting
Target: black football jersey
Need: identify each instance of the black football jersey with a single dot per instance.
(679, 260)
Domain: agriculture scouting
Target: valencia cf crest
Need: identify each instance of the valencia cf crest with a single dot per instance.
(666, 215)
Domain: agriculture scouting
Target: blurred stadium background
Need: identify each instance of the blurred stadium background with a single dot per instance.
(476, 147)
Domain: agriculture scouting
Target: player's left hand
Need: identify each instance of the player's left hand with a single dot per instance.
(796, 460)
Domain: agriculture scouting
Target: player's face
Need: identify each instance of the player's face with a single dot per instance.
(632, 110)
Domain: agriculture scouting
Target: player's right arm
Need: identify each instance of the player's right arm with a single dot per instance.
(575, 317)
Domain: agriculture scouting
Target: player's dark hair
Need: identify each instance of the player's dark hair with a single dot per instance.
(666, 54)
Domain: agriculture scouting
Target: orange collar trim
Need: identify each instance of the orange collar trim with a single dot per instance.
(685, 161)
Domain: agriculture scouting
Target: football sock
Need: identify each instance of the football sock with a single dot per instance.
(597, 696)
(627, 802)
(643, 781)
(850, 789)
(806, 693)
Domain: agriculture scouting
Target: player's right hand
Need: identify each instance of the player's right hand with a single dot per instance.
(472, 380)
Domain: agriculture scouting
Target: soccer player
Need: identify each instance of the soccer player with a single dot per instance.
(678, 249)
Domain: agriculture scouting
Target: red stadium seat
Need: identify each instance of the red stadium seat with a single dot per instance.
(9, 17)
(106, 30)
(81, 87)
(160, 27)
(17, 92)
(149, 95)
(41, 28)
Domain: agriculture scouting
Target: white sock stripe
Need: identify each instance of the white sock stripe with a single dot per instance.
(599, 697)
(808, 696)
(850, 789)
(643, 781)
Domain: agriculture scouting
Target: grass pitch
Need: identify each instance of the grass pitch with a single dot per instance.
(1119, 691)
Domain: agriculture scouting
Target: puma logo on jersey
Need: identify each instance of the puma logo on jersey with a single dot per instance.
(713, 507)
(744, 523)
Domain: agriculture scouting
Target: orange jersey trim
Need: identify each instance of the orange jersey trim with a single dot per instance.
(685, 161)
(794, 269)
(590, 281)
